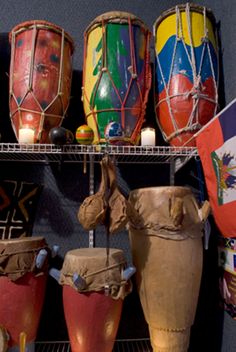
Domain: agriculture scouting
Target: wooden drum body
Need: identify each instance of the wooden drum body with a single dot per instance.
(93, 293)
(186, 89)
(22, 288)
(40, 79)
(167, 252)
(116, 75)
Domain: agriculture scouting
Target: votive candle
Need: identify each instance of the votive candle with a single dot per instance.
(26, 135)
(148, 136)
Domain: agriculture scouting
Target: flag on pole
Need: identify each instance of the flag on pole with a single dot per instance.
(216, 144)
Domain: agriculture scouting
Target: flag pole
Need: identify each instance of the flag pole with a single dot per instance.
(209, 122)
(214, 118)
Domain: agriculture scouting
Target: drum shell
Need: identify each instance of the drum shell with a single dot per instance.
(22, 297)
(186, 89)
(168, 275)
(116, 74)
(40, 87)
(92, 317)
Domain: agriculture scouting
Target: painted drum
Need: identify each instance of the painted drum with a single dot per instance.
(186, 72)
(40, 79)
(93, 294)
(167, 251)
(116, 74)
(23, 276)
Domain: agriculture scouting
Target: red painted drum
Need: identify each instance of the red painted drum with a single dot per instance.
(93, 293)
(167, 250)
(40, 79)
(186, 89)
(116, 76)
(23, 276)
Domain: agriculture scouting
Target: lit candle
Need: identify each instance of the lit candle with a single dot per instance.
(26, 135)
(148, 136)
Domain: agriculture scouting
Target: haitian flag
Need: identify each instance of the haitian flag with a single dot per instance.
(216, 144)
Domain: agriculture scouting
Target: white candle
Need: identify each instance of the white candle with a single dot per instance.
(148, 136)
(26, 135)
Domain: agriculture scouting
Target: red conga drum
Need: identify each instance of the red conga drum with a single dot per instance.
(186, 72)
(116, 77)
(40, 79)
(93, 306)
(166, 243)
(23, 275)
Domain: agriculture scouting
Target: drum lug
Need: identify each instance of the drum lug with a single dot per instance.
(79, 282)
(41, 257)
(127, 273)
(55, 273)
(55, 250)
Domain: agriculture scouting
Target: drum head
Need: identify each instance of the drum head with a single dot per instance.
(97, 269)
(182, 8)
(40, 24)
(116, 17)
(18, 257)
(22, 243)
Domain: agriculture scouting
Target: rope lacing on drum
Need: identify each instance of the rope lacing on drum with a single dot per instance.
(42, 109)
(132, 69)
(102, 270)
(196, 92)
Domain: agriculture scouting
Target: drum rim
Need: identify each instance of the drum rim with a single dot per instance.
(198, 8)
(161, 188)
(92, 250)
(23, 240)
(21, 27)
(113, 17)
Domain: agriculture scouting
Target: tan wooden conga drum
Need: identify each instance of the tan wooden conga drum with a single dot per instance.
(23, 276)
(167, 251)
(93, 294)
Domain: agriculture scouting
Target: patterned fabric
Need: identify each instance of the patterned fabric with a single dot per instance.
(18, 203)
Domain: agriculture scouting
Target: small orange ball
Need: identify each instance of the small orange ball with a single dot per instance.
(84, 134)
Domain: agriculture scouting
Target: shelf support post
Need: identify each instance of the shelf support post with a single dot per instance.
(91, 192)
(172, 172)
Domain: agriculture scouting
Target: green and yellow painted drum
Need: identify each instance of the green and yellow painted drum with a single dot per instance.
(116, 75)
(186, 71)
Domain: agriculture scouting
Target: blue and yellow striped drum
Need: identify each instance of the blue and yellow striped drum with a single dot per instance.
(116, 75)
(186, 71)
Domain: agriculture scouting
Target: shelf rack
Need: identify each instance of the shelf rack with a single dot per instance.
(176, 157)
(76, 153)
(47, 153)
(141, 345)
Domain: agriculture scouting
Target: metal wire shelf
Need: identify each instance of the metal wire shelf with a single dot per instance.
(77, 153)
(141, 345)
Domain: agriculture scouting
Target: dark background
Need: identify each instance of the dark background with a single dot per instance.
(65, 185)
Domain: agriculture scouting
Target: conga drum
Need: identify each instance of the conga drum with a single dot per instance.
(93, 293)
(167, 251)
(116, 75)
(186, 72)
(23, 276)
(40, 79)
